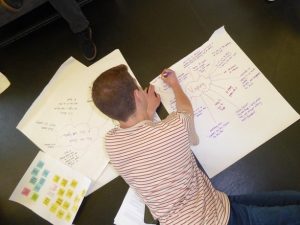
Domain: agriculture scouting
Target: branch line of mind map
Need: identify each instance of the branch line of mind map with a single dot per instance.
(210, 86)
(80, 136)
(215, 83)
(74, 141)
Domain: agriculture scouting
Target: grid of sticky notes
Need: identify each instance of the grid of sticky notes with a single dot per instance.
(62, 196)
(36, 182)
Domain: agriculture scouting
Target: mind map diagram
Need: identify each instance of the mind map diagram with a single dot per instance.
(215, 84)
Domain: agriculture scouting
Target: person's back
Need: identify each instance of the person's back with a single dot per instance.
(155, 159)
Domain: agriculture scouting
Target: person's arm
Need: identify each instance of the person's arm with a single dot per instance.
(153, 101)
(182, 101)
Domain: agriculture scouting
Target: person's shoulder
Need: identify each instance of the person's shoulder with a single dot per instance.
(112, 132)
(180, 114)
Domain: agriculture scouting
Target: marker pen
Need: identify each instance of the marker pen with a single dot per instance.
(166, 73)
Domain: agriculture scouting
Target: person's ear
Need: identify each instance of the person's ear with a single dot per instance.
(137, 95)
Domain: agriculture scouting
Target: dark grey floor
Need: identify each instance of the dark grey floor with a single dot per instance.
(153, 34)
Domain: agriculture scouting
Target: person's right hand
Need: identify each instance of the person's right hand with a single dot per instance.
(169, 77)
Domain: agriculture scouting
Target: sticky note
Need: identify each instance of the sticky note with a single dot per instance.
(56, 178)
(60, 192)
(66, 205)
(59, 201)
(75, 208)
(34, 197)
(37, 187)
(35, 171)
(77, 199)
(64, 182)
(40, 164)
(69, 193)
(46, 201)
(60, 214)
(74, 184)
(33, 180)
(25, 191)
(68, 216)
(53, 208)
(42, 181)
(45, 173)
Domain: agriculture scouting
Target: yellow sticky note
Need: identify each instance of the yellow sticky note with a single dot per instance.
(69, 193)
(75, 208)
(77, 199)
(60, 192)
(60, 214)
(74, 184)
(56, 178)
(68, 216)
(53, 208)
(66, 205)
(46, 201)
(64, 182)
(34, 197)
(59, 201)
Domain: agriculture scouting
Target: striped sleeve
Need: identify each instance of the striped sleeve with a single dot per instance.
(189, 124)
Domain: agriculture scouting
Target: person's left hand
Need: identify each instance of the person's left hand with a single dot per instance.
(153, 100)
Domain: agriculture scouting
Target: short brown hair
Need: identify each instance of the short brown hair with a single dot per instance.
(113, 93)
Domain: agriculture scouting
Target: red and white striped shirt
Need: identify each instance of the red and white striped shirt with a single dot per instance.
(156, 160)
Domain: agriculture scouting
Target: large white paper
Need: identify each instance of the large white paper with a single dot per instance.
(61, 121)
(64, 122)
(51, 189)
(131, 211)
(236, 108)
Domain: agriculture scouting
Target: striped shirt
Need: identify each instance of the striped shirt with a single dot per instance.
(156, 160)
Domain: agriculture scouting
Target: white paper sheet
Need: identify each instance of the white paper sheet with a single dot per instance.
(64, 122)
(4, 83)
(131, 211)
(61, 121)
(51, 189)
(236, 108)
(109, 173)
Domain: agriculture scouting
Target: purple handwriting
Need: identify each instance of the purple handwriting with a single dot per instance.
(189, 60)
(225, 59)
(199, 111)
(217, 130)
(248, 76)
(248, 110)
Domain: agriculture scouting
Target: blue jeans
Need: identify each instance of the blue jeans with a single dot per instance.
(271, 208)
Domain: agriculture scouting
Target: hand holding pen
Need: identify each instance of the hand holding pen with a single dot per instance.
(169, 77)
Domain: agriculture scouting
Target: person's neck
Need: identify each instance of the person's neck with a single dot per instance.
(133, 120)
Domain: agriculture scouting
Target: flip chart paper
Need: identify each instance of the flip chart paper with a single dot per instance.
(236, 108)
(60, 121)
(131, 211)
(64, 122)
(51, 189)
